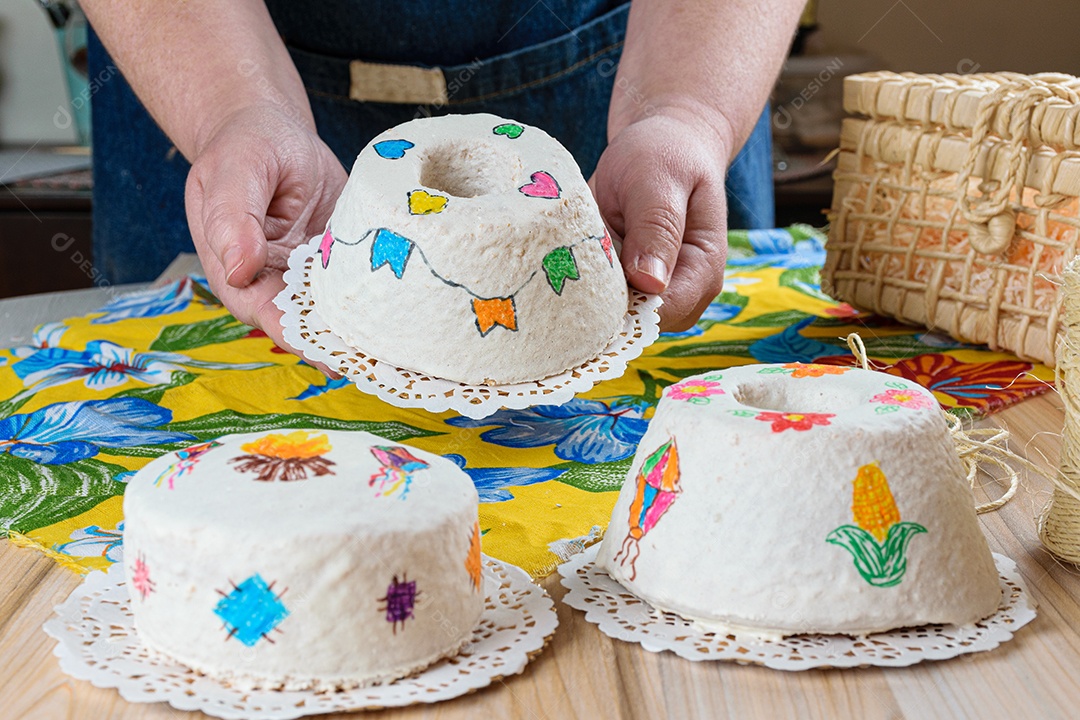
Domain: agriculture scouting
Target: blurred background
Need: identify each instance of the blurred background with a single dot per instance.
(44, 106)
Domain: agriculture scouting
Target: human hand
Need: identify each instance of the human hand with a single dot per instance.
(262, 184)
(660, 188)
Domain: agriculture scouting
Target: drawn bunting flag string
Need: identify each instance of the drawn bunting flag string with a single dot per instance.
(491, 312)
(389, 248)
(560, 266)
(396, 250)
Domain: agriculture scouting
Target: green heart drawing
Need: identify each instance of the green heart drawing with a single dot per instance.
(510, 130)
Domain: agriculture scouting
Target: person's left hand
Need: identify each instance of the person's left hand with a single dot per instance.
(660, 188)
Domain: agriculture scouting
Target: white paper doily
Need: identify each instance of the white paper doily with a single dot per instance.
(623, 616)
(96, 641)
(305, 331)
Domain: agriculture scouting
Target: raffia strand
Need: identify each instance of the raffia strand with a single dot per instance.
(1059, 524)
(976, 447)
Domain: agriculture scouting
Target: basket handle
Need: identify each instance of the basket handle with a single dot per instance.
(990, 217)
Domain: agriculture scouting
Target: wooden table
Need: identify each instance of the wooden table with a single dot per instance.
(583, 674)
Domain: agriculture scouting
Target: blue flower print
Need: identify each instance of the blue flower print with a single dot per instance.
(93, 541)
(317, 390)
(714, 313)
(791, 346)
(781, 249)
(585, 431)
(70, 431)
(45, 336)
(104, 364)
(169, 298)
(941, 340)
(491, 483)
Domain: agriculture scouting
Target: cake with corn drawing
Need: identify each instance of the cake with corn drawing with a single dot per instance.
(469, 248)
(785, 499)
(303, 559)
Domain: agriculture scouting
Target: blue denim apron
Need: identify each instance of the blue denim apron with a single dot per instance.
(553, 67)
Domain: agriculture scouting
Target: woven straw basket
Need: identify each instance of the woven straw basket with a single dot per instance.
(955, 203)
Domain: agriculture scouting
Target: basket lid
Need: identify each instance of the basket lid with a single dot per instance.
(954, 101)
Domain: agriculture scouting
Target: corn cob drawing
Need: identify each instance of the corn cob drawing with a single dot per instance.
(872, 503)
(878, 540)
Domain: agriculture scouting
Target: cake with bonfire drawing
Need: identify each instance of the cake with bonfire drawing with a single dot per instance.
(785, 499)
(303, 559)
(469, 248)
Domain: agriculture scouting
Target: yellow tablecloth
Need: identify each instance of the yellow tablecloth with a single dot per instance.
(93, 398)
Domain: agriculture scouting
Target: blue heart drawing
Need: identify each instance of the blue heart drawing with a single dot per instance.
(392, 149)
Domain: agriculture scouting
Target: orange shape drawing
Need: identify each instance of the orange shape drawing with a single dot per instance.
(813, 370)
(472, 560)
(494, 311)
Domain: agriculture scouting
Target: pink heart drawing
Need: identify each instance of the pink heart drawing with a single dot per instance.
(324, 248)
(542, 186)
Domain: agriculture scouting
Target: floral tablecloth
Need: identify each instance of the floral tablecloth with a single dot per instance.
(91, 399)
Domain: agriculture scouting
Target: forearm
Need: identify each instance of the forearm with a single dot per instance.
(717, 58)
(195, 63)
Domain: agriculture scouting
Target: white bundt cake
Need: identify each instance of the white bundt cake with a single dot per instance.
(469, 247)
(787, 499)
(303, 559)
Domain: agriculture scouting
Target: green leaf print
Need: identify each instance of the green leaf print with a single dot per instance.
(175, 338)
(34, 495)
(16, 401)
(806, 280)
(783, 318)
(226, 422)
(154, 393)
(601, 477)
(737, 348)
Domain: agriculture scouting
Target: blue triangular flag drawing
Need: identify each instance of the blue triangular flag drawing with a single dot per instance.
(391, 249)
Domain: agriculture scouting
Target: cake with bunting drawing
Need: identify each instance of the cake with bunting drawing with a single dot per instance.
(469, 248)
(777, 500)
(303, 559)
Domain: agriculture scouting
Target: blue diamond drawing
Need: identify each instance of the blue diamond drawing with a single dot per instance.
(251, 610)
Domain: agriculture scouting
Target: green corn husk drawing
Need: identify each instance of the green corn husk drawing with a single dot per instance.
(878, 540)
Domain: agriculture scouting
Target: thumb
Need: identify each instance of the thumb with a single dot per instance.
(226, 201)
(650, 219)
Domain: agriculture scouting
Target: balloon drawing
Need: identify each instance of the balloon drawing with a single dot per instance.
(657, 487)
(398, 466)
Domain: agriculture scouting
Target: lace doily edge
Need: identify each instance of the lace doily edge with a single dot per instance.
(993, 637)
(545, 621)
(511, 399)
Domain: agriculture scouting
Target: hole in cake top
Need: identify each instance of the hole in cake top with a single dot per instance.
(470, 170)
(780, 394)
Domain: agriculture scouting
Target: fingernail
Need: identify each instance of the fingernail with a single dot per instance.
(232, 260)
(654, 267)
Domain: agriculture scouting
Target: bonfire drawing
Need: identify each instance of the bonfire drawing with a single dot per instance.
(285, 458)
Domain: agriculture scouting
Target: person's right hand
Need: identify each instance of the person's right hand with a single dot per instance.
(262, 183)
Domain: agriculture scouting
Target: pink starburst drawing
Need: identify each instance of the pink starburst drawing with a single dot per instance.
(140, 577)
